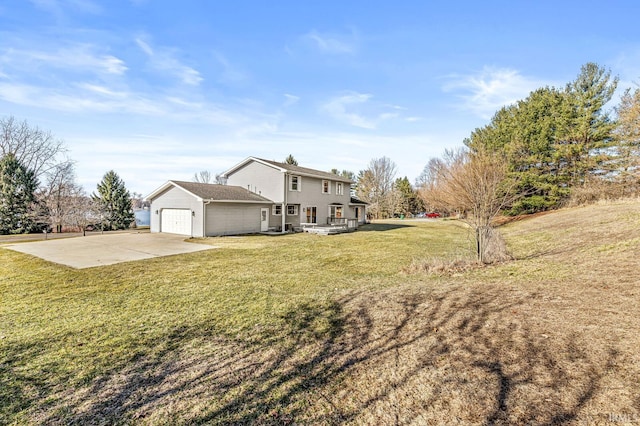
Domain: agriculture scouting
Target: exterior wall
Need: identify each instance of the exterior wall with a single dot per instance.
(362, 216)
(233, 218)
(276, 221)
(175, 198)
(261, 179)
(311, 195)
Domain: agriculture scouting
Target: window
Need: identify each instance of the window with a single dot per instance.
(339, 190)
(335, 212)
(294, 183)
(326, 187)
(292, 210)
(277, 210)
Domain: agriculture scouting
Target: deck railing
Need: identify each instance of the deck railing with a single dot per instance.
(351, 223)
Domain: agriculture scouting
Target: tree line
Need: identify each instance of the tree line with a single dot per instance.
(38, 188)
(552, 147)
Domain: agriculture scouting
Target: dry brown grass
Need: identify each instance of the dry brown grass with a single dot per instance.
(549, 338)
(442, 265)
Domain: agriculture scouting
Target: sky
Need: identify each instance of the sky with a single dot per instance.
(159, 90)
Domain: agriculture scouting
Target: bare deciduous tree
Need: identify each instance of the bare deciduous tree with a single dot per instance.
(204, 176)
(376, 186)
(476, 185)
(627, 161)
(83, 211)
(57, 195)
(35, 149)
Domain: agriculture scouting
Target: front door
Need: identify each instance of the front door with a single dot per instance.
(264, 220)
(311, 215)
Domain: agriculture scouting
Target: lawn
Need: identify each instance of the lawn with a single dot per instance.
(330, 330)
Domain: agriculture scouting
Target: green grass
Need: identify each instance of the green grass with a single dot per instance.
(329, 330)
(62, 328)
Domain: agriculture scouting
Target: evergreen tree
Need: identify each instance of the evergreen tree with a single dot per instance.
(17, 196)
(114, 202)
(291, 160)
(554, 139)
(590, 130)
(407, 198)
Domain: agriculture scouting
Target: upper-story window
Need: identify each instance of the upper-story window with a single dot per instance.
(326, 187)
(339, 190)
(295, 183)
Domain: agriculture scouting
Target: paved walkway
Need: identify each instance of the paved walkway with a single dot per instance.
(99, 250)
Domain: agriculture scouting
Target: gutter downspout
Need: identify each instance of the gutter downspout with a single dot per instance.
(284, 212)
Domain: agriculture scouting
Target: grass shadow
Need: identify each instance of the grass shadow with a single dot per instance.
(381, 227)
(387, 357)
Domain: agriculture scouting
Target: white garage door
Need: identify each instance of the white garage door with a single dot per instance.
(176, 221)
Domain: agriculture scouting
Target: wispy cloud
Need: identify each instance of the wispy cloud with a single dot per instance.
(93, 98)
(230, 73)
(164, 60)
(72, 58)
(333, 43)
(59, 9)
(357, 109)
(340, 109)
(290, 99)
(485, 92)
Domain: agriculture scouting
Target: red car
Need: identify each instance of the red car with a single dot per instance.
(433, 215)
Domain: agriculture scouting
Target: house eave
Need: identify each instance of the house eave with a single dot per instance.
(168, 184)
(240, 201)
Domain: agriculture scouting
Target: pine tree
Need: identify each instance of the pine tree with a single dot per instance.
(291, 160)
(17, 197)
(553, 140)
(114, 202)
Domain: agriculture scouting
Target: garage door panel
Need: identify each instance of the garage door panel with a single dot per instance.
(176, 221)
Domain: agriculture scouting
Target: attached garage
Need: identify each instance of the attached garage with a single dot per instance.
(203, 209)
(176, 221)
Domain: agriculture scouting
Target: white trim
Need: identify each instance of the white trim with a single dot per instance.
(167, 185)
(273, 210)
(295, 209)
(247, 161)
(239, 201)
(339, 188)
(328, 186)
(299, 189)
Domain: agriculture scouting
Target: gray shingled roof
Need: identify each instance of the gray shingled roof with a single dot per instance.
(306, 171)
(210, 191)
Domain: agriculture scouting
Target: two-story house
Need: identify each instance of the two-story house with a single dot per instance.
(259, 196)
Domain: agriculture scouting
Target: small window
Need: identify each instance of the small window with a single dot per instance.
(339, 190)
(326, 187)
(292, 210)
(277, 210)
(295, 183)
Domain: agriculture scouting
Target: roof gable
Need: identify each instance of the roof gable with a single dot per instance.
(290, 168)
(212, 192)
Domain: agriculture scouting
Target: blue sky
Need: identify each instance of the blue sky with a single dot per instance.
(159, 90)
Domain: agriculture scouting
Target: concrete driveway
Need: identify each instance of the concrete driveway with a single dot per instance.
(99, 250)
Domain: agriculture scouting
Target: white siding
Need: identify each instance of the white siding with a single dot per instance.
(261, 179)
(176, 198)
